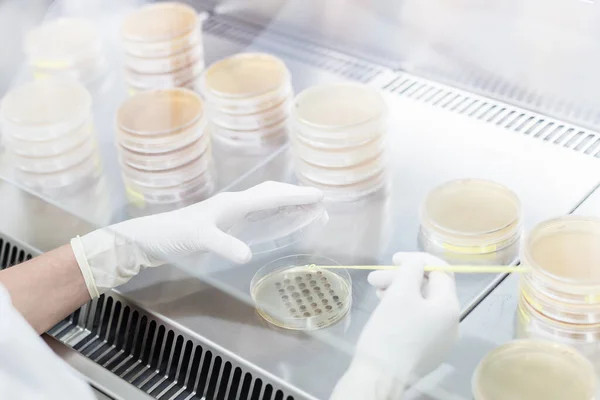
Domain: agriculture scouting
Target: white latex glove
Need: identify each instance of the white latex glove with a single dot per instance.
(109, 257)
(409, 333)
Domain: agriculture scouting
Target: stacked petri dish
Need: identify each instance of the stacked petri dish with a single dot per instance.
(48, 132)
(534, 370)
(164, 151)
(249, 96)
(67, 48)
(338, 140)
(560, 294)
(163, 47)
(473, 222)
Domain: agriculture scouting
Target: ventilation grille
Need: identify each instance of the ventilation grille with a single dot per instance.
(11, 255)
(282, 45)
(497, 113)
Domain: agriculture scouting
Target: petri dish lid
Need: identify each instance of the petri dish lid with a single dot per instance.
(62, 42)
(273, 229)
(159, 22)
(245, 75)
(160, 112)
(534, 370)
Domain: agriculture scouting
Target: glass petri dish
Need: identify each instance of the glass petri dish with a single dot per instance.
(563, 255)
(168, 177)
(471, 217)
(159, 144)
(248, 122)
(534, 370)
(64, 43)
(88, 170)
(60, 162)
(52, 147)
(165, 80)
(162, 29)
(165, 65)
(347, 193)
(163, 161)
(44, 110)
(273, 229)
(338, 158)
(246, 83)
(348, 112)
(253, 137)
(289, 294)
(341, 176)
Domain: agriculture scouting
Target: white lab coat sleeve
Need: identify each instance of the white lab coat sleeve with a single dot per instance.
(28, 368)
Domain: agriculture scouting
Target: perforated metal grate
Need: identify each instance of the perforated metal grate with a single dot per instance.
(11, 254)
(500, 114)
(283, 45)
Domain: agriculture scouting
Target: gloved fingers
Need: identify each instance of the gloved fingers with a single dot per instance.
(227, 246)
(380, 293)
(270, 195)
(441, 287)
(381, 279)
(408, 281)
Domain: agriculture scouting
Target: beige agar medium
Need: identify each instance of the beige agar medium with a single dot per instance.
(245, 75)
(291, 294)
(160, 22)
(534, 370)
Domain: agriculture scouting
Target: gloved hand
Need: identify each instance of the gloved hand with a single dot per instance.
(109, 257)
(408, 334)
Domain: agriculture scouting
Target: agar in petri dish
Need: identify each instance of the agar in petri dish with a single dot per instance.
(159, 22)
(291, 294)
(159, 112)
(245, 75)
(534, 370)
(45, 109)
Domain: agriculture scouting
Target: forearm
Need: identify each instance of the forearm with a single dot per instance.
(47, 288)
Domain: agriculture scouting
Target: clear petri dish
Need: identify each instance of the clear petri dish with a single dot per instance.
(291, 294)
(471, 217)
(253, 137)
(160, 30)
(52, 147)
(534, 370)
(346, 193)
(168, 177)
(164, 161)
(64, 43)
(341, 176)
(248, 122)
(273, 229)
(60, 162)
(165, 65)
(167, 80)
(338, 158)
(198, 188)
(88, 170)
(44, 110)
(347, 112)
(563, 255)
(246, 83)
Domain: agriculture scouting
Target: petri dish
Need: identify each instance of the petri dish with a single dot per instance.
(273, 229)
(64, 43)
(163, 161)
(471, 217)
(165, 80)
(338, 158)
(160, 112)
(274, 115)
(353, 192)
(163, 65)
(289, 294)
(350, 112)
(88, 170)
(534, 370)
(52, 147)
(253, 137)
(161, 29)
(159, 144)
(168, 177)
(246, 83)
(341, 176)
(44, 110)
(60, 162)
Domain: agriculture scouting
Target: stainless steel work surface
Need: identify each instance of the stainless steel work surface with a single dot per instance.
(429, 146)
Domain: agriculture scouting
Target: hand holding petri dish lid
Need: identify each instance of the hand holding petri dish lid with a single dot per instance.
(471, 221)
(534, 370)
